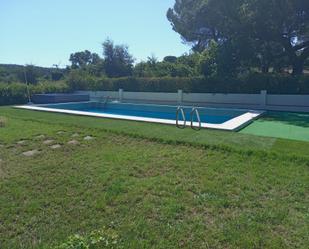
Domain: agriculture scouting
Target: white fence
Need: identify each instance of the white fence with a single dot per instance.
(263, 101)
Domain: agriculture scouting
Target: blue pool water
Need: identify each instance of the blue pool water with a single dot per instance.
(207, 115)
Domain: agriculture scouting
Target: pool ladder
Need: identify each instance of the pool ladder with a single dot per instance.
(182, 112)
(193, 113)
(196, 113)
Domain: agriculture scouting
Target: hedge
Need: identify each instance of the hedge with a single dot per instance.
(16, 93)
(254, 83)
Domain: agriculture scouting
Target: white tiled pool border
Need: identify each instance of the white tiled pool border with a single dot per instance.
(230, 125)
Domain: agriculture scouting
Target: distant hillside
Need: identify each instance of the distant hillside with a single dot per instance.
(15, 73)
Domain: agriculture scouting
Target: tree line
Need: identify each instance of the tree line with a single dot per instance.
(228, 38)
(116, 61)
(10, 73)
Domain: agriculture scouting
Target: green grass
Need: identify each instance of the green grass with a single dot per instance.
(153, 185)
(2, 121)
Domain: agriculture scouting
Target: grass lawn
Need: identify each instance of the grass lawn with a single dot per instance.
(155, 186)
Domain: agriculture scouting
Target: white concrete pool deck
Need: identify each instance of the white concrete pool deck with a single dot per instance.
(230, 125)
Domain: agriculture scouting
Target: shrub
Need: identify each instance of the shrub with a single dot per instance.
(251, 83)
(80, 80)
(16, 93)
(50, 87)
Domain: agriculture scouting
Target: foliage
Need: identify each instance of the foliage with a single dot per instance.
(169, 67)
(81, 79)
(104, 238)
(169, 58)
(16, 93)
(83, 59)
(56, 74)
(259, 32)
(162, 69)
(247, 83)
(16, 73)
(118, 62)
(209, 60)
(30, 75)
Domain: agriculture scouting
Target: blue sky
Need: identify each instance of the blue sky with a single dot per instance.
(46, 32)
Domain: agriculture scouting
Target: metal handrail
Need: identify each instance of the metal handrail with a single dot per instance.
(196, 112)
(180, 110)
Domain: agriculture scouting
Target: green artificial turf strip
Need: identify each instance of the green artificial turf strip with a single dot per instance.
(281, 125)
(152, 193)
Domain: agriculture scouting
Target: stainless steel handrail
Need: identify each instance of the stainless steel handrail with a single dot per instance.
(180, 110)
(197, 114)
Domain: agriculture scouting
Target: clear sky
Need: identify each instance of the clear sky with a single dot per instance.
(46, 32)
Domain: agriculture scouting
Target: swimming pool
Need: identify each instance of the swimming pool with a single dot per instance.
(216, 118)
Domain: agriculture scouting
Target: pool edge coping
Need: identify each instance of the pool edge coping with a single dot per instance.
(234, 124)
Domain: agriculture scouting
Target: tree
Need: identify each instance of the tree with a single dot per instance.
(152, 60)
(118, 62)
(174, 68)
(197, 21)
(171, 59)
(56, 73)
(286, 24)
(83, 59)
(29, 74)
(258, 30)
(90, 62)
(209, 60)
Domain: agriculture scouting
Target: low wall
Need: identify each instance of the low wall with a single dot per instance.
(262, 101)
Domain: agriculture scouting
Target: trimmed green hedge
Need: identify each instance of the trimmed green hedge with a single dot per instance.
(16, 93)
(254, 83)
